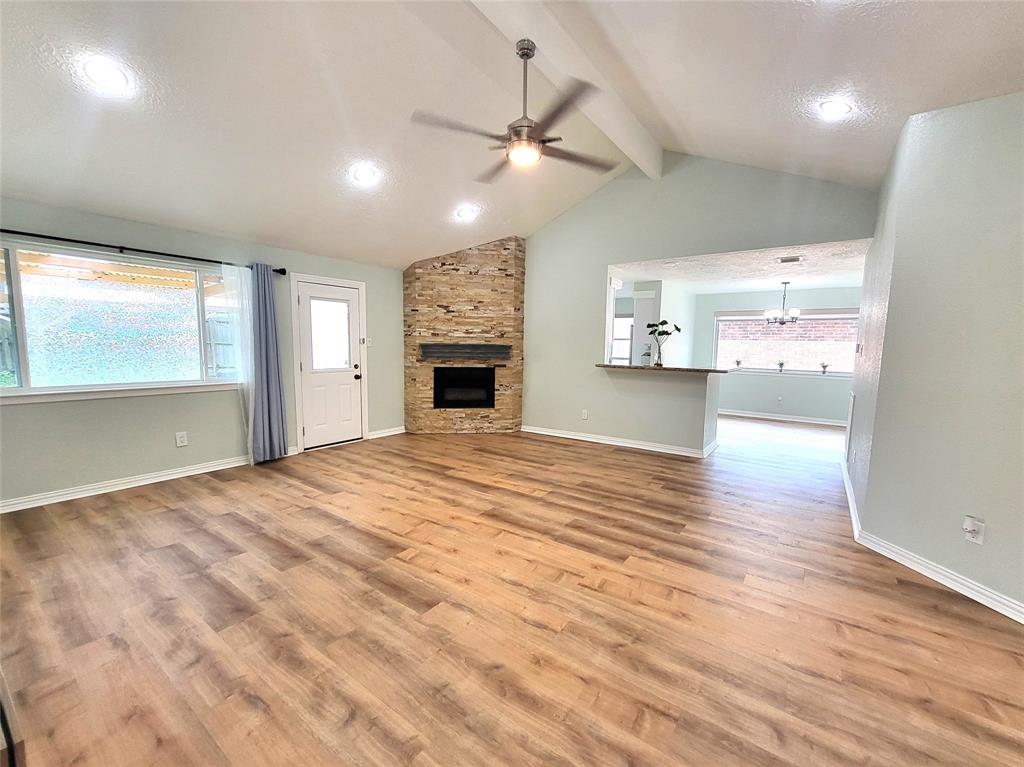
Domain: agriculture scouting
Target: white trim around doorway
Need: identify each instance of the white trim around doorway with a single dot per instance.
(293, 296)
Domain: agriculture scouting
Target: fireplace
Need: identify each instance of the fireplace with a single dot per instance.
(463, 387)
(463, 350)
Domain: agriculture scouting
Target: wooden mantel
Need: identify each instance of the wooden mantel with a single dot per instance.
(659, 370)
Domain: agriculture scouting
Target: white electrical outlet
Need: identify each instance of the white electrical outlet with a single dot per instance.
(586, 415)
(974, 529)
(181, 439)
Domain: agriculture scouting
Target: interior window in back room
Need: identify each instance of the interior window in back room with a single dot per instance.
(817, 339)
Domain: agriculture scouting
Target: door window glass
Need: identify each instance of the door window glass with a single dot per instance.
(328, 326)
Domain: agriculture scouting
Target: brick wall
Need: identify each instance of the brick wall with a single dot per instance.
(470, 296)
(803, 346)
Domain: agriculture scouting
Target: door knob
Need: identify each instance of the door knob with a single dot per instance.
(357, 376)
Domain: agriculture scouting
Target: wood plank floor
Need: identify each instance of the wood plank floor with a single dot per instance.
(494, 600)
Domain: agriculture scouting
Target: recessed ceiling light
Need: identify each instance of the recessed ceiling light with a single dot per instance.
(106, 76)
(834, 109)
(364, 174)
(466, 212)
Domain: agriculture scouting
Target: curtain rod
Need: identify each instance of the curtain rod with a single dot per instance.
(123, 248)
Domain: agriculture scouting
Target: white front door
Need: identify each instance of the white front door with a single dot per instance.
(329, 364)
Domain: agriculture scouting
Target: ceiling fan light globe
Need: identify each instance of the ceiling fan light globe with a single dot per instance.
(794, 313)
(523, 152)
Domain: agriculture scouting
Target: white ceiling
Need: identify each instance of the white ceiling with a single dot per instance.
(824, 265)
(739, 81)
(249, 113)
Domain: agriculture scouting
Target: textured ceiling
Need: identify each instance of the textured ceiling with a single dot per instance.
(739, 81)
(824, 265)
(248, 115)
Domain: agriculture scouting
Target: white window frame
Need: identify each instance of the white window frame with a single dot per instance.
(25, 393)
(632, 330)
(820, 314)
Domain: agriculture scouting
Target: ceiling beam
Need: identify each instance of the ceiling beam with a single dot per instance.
(560, 56)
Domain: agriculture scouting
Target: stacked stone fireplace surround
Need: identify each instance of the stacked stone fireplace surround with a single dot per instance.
(472, 296)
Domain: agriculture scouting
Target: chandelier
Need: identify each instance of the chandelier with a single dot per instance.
(782, 316)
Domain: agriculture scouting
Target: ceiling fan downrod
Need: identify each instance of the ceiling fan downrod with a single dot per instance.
(525, 49)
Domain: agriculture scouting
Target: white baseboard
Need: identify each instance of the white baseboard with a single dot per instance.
(386, 432)
(1001, 603)
(709, 449)
(1011, 608)
(96, 488)
(655, 447)
(851, 501)
(777, 417)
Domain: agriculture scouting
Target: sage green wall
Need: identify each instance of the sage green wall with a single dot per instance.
(60, 445)
(947, 427)
(698, 206)
(53, 446)
(874, 308)
(814, 396)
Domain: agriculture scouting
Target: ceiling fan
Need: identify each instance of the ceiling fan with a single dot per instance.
(525, 141)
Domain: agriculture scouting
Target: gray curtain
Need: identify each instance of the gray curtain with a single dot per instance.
(268, 431)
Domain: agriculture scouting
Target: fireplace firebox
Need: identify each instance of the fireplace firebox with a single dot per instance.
(463, 387)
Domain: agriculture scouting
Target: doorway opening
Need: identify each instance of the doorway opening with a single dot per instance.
(329, 360)
(783, 324)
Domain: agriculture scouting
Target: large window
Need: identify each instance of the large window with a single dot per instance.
(829, 338)
(86, 320)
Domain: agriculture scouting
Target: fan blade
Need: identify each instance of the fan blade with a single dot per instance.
(491, 173)
(436, 121)
(577, 91)
(586, 160)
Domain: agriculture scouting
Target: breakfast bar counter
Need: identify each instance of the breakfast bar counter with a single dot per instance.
(690, 402)
(655, 369)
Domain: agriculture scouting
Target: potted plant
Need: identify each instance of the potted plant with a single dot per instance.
(739, 362)
(659, 332)
(782, 364)
(824, 367)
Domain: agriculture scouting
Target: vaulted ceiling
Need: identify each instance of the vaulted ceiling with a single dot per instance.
(742, 81)
(247, 116)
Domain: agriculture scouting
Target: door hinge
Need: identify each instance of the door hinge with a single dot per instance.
(300, 366)
(303, 431)
(298, 300)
